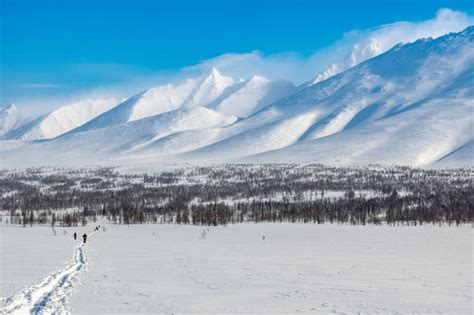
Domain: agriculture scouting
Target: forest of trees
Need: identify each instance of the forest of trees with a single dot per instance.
(227, 194)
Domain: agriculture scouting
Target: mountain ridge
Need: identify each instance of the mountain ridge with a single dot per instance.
(411, 105)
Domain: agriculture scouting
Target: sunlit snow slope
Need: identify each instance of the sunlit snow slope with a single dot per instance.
(213, 90)
(412, 105)
(62, 120)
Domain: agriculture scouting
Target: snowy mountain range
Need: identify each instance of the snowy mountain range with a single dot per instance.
(213, 91)
(411, 105)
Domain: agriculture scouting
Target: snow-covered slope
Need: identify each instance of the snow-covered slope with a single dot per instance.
(130, 136)
(10, 118)
(360, 52)
(189, 93)
(412, 105)
(208, 89)
(62, 120)
(463, 156)
(124, 139)
(252, 95)
(213, 91)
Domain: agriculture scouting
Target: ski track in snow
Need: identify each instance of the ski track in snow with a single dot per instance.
(49, 295)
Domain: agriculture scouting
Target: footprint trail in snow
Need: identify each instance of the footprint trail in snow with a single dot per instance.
(48, 296)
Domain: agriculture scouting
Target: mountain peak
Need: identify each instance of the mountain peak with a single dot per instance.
(11, 108)
(258, 78)
(217, 78)
(60, 120)
(214, 71)
(209, 89)
(213, 74)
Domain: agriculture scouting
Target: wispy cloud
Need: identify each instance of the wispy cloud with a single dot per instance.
(353, 48)
(39, 86)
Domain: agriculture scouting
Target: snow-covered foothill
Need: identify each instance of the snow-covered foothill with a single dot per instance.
(62, 120)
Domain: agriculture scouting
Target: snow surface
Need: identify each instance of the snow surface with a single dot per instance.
(360, 52)
(253, 95)
(295, 268)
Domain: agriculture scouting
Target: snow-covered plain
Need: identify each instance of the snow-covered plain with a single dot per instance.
(249, 268)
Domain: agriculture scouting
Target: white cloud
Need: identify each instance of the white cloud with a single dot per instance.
(354, 47)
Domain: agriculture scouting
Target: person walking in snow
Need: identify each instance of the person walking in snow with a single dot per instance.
(84, 237)
(75, 235)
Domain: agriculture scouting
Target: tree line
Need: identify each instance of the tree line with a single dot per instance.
(228, 194)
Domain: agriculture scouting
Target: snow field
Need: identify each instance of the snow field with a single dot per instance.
(296, 268)
(252, 268)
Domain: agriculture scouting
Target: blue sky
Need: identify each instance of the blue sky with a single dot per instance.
(64, 47)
